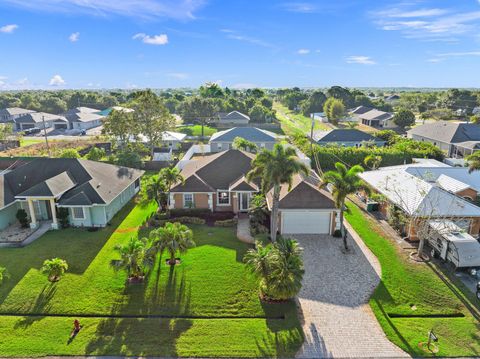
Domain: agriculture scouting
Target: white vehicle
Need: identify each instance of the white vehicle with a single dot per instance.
(452, 244)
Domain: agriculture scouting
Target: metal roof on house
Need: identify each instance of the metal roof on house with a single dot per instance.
(251, 134)
(448, 132)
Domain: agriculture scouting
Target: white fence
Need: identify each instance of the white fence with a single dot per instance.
(195, 149)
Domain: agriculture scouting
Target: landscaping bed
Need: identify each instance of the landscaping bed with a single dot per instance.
(208, 305)
(412, 299)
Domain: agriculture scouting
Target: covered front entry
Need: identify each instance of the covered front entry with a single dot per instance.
(244, 201)
(306, 222)
(42, 210)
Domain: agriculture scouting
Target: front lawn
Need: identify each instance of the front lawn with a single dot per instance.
(409, 288)
(196, 130)
(206, 306)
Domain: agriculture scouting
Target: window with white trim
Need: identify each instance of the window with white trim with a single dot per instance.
(188, 200)
(262, 145)
(78, 213)
(223, 198)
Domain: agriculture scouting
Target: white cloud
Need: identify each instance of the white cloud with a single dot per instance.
(8, 29)
(460, 54)
(178, 75)
(161, 39)
(303, 51)
(74, 37)
(146, 9)
(57, 80)
(362, 60)
(250, 40)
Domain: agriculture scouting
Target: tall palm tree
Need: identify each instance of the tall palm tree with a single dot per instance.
(473, 162)
(173, 238)
(54, 268)
(344, 182)
(135, 258)
(275, 168)
(156, 190)
(169, 176)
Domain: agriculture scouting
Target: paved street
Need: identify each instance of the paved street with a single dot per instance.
(338, 321)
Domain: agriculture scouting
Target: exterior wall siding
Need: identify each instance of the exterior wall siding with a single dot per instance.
(223, 146)
(8, 215)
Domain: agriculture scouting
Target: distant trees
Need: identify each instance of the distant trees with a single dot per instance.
(198, 109)
(404, 118)
(334, 109)
(314, 103)
(342, 94)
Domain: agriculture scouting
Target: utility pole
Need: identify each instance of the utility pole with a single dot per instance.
(46, 137)
(311, 132)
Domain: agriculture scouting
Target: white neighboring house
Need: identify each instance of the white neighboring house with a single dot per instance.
(39, 120)
(173, 139)
(10, 114)
(82, 118)
(162, 154)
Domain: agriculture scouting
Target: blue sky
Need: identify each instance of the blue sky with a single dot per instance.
(238, 43)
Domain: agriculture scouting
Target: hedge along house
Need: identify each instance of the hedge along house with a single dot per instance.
(216, 182)
(93, 192)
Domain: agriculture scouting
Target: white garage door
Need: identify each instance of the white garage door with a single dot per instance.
(304, 222)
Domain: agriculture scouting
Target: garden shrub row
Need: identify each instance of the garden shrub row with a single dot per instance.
(226, 223)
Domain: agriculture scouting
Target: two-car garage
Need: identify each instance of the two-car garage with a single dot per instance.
(306, 222)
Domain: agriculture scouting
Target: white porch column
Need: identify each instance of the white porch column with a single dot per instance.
(171, 202)
(210, 202)
(33, 218)
(54, 214)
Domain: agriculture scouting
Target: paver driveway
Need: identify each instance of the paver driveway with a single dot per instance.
(338, 321)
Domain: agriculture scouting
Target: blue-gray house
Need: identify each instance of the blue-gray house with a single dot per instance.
(93, 192)
(346, 138)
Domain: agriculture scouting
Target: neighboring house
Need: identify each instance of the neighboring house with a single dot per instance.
(233, 118)
(373, 117)
(424, 192)
(162, 154)
(217, 182)
(93, 192)
(456, 139)
(346, 138)
(173, 139)
(392, 98)
(305, 208)
(11, 113)
(83, 118)
(40, 120)
(223, 140)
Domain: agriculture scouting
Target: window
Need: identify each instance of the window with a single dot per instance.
(223, 198)
(220, 147)
(188, 200)
(262, 145)
(78, 213)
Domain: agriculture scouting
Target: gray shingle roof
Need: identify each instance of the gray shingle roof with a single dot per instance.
(233, 116)
(344, 135)
(251, 134)
(448, 132)
(37, 117)
(99, 182)
(11, 111)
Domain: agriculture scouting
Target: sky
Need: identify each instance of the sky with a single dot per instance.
(56, 44)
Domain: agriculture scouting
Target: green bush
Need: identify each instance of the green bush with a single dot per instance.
(22, 218)
(188, 220)
(70, 153)
(189, 212)
(62, 216)
(226, 223)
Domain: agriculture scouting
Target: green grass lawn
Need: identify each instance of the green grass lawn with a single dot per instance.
(404, 284)
(196, 130)
(30, 141)
(293, 123)
(206, 306)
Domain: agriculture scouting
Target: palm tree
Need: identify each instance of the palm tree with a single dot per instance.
(135, 258)
(373, 161)
(275, 168)
(173, 238)
(240, 143)
(473, 162)
(156, 190)
(344, 182)
(54, 268)
(4, 275)
(169, 176)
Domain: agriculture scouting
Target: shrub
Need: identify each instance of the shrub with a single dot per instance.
(54, 269)
(189, 220)
(70, 153)
(337, 233)
(95, 154)
(226, 223)
(62, 216)
(22, 218)
(189, 212)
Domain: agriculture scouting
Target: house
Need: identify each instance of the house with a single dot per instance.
(346, 138)
(162, 154)
(425, 192)
(83, 118)
(218, 182)
(173, 139)
(373, 117)
(223, 140)
(93, 192)
(305, 208)
(392, 98)
(11, 113)
(456, 139)
(40, 120)
(233, 118)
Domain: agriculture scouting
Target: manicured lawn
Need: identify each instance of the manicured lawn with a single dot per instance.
(405, 284)
(206, 306)
(196, 130)
(295, 123)
(30, 141)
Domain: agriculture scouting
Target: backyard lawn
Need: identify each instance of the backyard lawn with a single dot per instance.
(413, 289)
(196, 130)
(293, 123)
(206, 306)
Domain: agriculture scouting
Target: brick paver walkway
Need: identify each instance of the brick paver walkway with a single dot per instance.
(338, 321)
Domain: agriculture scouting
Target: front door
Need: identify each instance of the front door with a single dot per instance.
(244, 201)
